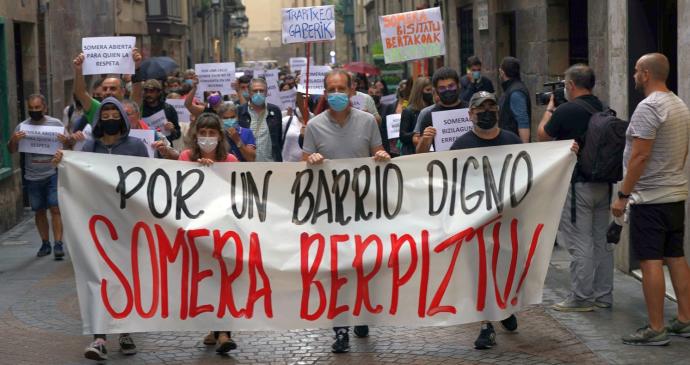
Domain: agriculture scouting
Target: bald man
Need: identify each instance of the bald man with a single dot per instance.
(654, 189)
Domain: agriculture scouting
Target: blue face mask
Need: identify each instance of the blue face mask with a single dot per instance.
(189, 82)
(338, 101)
(258, 99)
(476, 75)
(230, 123)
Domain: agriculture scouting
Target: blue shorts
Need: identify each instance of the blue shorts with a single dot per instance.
(43, 193)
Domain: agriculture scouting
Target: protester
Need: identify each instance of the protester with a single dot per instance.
(655, 187)
(474, 81)
(293, 130)
(241, 140)
(369, 105)
(161, 144)
(381, 85)
(208, 146)
(421, 96)
(515, 104)
(111, 135)
(342, 132)
(188, 76)
(446, 85)
(172, 83)
(214, 99)
(243, 89)
(154, 102)
(585, 216)
(41, 178)
(72, 113)
(265, 121)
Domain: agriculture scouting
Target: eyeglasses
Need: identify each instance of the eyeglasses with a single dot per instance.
(452, 87)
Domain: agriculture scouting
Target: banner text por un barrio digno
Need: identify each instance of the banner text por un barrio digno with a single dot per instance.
(248, 202)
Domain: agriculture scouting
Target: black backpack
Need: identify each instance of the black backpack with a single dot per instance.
(601, 152)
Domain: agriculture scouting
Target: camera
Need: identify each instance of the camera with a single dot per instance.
(557, 90)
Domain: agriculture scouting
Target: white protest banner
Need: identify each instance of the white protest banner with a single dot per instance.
(147, 136)
(450, 124)
(157, 122)
(308, 24)
(287, 99)
(215, 77)
(40, 139)
(160, 245)
(389, 99)
(297, 63)
(393, 125)
(412, 35)
(316, 76)
(108, 55)
(183, 113)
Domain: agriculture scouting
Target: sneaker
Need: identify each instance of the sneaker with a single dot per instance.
(487, 337)
(361, 331)
(602, 305)
(574, 305)
(58, 251)
(226, 346)
(44, 250)
(646, 336)
(96, 351)
(510, 323)
(127, 345)
(678, 328)
(341, 344)
(210, 339)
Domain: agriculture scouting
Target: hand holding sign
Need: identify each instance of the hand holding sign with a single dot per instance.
(451, 124)
(308, 24)
(109, 55)
(39, 139)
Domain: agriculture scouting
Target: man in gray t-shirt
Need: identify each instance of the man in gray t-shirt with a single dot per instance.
(40, 177)
(342, 132)
(655, 187)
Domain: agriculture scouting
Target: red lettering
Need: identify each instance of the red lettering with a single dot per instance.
(134, 252)
(481, 280)
(530, 255)
(424, 282)
(336, 281)
(394, 263)
(456, 240)
(363, 280)
(256, 266)
(168, 254)
(502, 301)
(309, 273)
(120, 276)
(226, 296)
(197, 276)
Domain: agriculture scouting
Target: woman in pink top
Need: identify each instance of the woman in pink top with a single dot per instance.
(207, 141)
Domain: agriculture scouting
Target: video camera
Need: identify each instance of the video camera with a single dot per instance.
(557, 90)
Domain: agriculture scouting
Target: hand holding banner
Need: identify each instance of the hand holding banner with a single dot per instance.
(450, 124)
(108, 55)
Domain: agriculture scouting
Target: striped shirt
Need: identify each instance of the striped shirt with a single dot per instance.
(259, 127)
(663, 117)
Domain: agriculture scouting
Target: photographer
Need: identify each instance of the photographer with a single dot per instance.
(585, 216)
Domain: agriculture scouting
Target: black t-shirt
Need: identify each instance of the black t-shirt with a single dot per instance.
(570, 121)
(471, 140)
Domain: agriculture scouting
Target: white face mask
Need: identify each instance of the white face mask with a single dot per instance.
(207, 144)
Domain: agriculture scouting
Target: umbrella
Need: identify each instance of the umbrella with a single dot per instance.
(158, 68)
(362, 68)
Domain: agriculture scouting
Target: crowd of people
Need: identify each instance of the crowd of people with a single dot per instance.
(244, 127)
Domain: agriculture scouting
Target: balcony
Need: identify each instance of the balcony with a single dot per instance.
(164, 17)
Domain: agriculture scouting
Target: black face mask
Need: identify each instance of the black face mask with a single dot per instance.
(377, 99)
(449, 97)
(36, 116)
(111, 127)
(428, 98)
(486, 120)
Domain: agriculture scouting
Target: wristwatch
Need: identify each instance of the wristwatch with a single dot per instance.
(623, 196)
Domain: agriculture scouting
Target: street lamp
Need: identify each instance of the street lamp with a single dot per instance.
(332, 53)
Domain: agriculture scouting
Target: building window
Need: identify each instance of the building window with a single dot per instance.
(154, 7)
(174, 8)
(466, 31)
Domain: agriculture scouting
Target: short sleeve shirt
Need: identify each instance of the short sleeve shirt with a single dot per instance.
(355, 139)
(36, 166)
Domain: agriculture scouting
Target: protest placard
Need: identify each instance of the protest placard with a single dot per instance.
(157, 122)
(308, 24)
(183, 113)
(108, 55)
(88, 134)
(450, 124)
(249, 244)
(147, 136)
(316, 76)
(393, 125)
(412, 35)
(297, 63)
(287, 99)
(40, 139)
(215, 77)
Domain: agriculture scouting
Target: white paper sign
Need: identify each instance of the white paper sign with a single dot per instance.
(183, 113)
(450, 124)
(316, 76)
(388, 99)
(157, 122)
(40, 139)
(308, 24)
(393, 125)
(297, 63)
(287, 99)
(147, 136)
(88, 134)
(215, 77)
(425, 260)
(108, 55)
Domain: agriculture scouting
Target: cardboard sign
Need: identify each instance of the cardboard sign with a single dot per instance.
(288, 99)
(146, 259)
(393, 125)
(215, 77)
(450, 124)
(108, 55)
(308, 24)
(157, 122)
(40, 139)
(412, 35)
(316, 76)
(183, 113)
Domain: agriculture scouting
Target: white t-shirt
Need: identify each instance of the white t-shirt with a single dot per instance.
(291, 149)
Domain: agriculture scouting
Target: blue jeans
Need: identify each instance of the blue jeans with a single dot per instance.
(42, 193)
